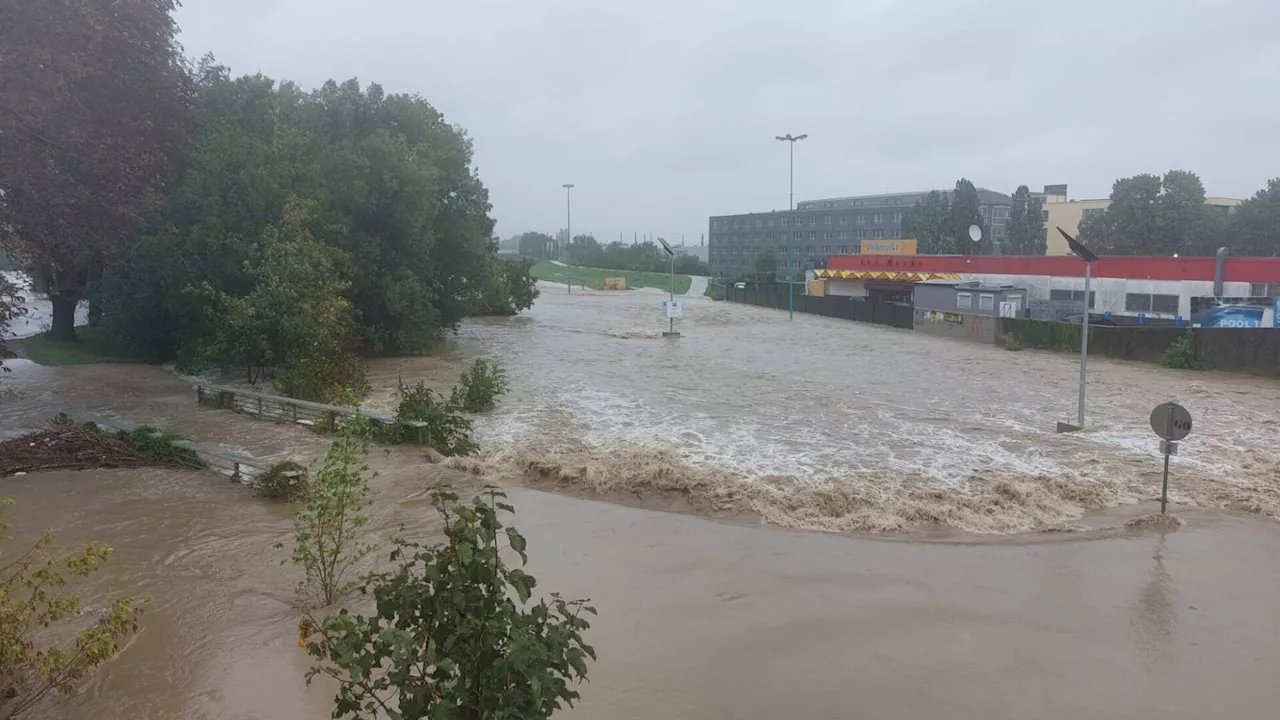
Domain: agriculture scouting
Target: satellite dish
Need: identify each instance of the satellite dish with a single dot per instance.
(975, 233)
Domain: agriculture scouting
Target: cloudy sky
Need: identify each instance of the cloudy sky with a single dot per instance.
(664, 112)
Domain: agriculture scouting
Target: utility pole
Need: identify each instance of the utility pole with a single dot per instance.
(568, 214)
(791, 212)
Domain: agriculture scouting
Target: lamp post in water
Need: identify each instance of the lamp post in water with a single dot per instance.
(791, 212)
(568, 215)
(1088, 257)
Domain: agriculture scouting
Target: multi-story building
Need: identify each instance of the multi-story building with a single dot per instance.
(1059, 212)
(832, 226)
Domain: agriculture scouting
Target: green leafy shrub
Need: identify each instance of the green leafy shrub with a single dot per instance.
(33, 598)
(454, 634)
(1181, 354)
(335, 378)
(327, 529)
(479, 387)
(284, 481)
(1049, 335)
(159, 447)
(448, 428)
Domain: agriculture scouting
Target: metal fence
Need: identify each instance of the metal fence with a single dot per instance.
(324, 418)
(865, 310)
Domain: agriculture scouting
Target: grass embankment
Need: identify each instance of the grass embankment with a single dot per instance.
(89, 350)
(594, 277)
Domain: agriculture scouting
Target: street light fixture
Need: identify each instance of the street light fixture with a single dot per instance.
(791, 211)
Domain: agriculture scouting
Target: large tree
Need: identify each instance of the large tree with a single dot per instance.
(1025, 235)
(929, 222)
(1255, 226)
(94, 115)
(1151, 215)
(767, 263)
(966, 211)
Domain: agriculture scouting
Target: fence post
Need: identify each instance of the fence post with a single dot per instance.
(259, 406)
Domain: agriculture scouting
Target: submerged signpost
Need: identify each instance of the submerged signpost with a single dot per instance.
(1171, 422)
(671, 307)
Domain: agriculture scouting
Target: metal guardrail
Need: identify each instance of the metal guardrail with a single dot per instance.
(317, 416)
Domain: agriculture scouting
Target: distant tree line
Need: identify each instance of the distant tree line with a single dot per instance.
(1154, 215)
(941, 224)
(235, 222)
(586, 251)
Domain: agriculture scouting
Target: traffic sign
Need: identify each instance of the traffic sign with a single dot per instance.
(1171, 421)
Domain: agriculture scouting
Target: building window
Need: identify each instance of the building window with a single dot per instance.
(1167, 304)
(785, 221)
(964, 300)
(795, 263)
(826, 249)
(797, 235)
(879, 233)
(813, 219)
(986, 302)
(813, 235)
(810, 249)
(842, 235)
(862, 234)
(759, 223)
(782, 249)
(897, 217)
(877, 218)
(826, 219)
(844, 219)
(826, 236)
(1264, 289)
(844, 249)
(796, 249)
(862, 219)
(1044, 216)
(1137, 302)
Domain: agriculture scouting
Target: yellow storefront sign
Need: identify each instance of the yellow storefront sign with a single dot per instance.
(889, 247)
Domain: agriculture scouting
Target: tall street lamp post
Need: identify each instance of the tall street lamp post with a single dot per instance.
(791, 212)
(568, 214)
(1088, 257)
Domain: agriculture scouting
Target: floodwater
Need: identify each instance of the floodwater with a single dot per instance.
(818, 424)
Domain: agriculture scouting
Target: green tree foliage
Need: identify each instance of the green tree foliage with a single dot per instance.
(508, 287)
(95, 111)
(327, 530)
(448, 427)
(1255, 225)
(36, 659)
(376, 193)
(480, 386)
(1181, 354)
(928, 221)
(286, 480)
(11, 308)
(295, 314)
(582, 250)
(767, 263)
(454, 632)
(1025, 231)
(538, 245)
(966, 211)
(1150, 215)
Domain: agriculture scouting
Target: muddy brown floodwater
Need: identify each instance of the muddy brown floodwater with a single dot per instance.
(817, 424)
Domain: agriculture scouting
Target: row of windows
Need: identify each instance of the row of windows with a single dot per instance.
(870, 202)
(878, 233)
(1143, 302)
(750, 262)
(985, 301)
(1076, 295)
(783, 250)
(785, 221)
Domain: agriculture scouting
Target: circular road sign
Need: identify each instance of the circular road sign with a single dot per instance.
(1171, 421)
(975, 233)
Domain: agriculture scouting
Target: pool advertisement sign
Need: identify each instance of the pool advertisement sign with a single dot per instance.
(1239, 312)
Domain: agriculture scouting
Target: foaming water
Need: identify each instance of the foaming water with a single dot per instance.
(878, 416)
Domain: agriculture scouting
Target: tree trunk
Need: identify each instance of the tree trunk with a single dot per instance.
(64, 319)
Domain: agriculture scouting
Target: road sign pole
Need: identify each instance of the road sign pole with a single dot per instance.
(1164, 485)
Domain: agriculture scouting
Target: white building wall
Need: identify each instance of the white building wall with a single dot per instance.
(1109, 293)
(846, 288)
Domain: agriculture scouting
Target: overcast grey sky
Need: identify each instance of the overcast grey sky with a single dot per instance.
(664, 112)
